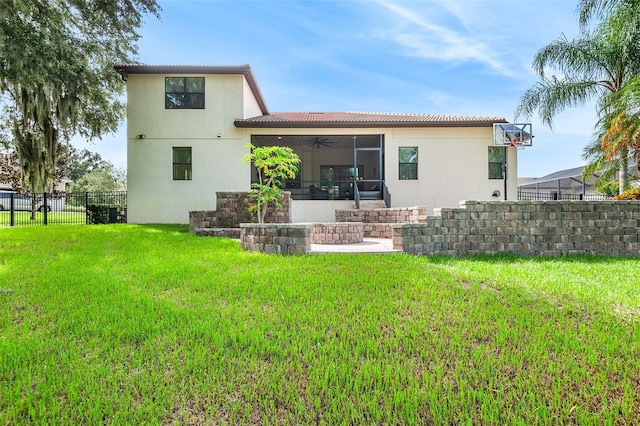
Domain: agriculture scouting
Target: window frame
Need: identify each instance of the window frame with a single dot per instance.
(493, 165)
(185, 94)
(402, 166)
(188, 170)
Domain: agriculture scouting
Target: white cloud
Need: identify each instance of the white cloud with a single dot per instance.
(423, 38)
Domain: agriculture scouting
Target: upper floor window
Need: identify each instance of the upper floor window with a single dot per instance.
(496, 160)
(184, 93)
(408, 163)
(182, 163)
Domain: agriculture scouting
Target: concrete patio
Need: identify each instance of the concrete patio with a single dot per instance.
(368, 245)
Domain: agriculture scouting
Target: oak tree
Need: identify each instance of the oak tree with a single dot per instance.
(57, 78)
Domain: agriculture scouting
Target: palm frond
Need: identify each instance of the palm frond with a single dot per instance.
(581, 58)
(589, 9)
(551, 96)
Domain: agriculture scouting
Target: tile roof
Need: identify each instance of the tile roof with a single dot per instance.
(364, 119)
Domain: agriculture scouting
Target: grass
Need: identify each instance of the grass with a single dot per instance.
(22, 218)
(134, 324)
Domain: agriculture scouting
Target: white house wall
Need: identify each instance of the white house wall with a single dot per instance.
(317, 211)
(251, 107)
(217, 147)
(452, 164)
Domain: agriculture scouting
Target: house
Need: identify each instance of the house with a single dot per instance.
(188, 127)
(9, 164)
(568, 184)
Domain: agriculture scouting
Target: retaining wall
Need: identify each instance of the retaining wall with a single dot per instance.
(337, 233)
(296, 238)
(232, 209)
(377, 222)
(276, 238)
(527, 228)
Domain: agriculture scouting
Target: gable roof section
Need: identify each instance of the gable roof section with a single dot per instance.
(562, 179)
(125, 69)
(363, 119)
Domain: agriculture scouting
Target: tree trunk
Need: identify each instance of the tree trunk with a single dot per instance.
(260, 213)
(622, 173)
(33, 207)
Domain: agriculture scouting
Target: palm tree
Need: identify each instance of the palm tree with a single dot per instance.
(598, 65)
(588, 9)
(612, 148)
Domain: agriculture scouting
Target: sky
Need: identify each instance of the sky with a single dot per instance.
(470, 57)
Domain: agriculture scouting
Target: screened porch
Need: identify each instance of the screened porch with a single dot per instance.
(333, 167)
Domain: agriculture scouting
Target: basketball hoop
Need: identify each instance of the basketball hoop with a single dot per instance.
(512, 134)
(520, 142)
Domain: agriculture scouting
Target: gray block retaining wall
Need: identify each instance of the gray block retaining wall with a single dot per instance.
(232, 209)
(337, 233)
(296, 238)
(377, 222)
(276, 238)
(527, 228)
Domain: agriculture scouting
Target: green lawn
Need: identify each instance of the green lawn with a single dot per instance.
(22, 218)
(134, 324)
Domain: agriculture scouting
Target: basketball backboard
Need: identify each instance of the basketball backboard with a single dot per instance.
(512, 134)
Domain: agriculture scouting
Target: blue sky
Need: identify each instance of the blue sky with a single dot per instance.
(469, 57)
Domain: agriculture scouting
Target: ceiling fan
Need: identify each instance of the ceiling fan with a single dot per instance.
(319, 143)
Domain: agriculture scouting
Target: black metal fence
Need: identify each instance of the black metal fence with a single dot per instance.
(555, 196)
(63, 209)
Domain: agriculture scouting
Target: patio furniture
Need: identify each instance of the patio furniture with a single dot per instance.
(317, 193)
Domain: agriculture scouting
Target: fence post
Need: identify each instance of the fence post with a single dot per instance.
(12, 219)
(86, 206)
(44, 208)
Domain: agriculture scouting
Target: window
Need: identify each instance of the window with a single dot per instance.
(182, 163)
(496, 158)
(408, 163)
(184, 93)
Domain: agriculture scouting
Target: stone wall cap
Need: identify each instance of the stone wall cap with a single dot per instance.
(273, 225)
(331, 223)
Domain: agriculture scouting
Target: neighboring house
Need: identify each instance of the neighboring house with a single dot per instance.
(58, 186)
(565, 184)
(188, 128)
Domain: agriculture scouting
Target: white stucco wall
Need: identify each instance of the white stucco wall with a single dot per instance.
(250, 104)
(452, 162)
(217, 147)
(317, 211)
(452, 166)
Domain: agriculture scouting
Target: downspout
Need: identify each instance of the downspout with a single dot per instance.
(504, 170)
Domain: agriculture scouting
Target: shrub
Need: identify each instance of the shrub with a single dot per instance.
(629, 194)
(610, 189)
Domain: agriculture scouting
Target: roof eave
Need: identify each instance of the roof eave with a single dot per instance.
(246, 124)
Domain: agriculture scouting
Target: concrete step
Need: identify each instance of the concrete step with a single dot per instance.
(372, 204)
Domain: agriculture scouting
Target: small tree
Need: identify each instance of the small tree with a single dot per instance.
(102, 179)
(273, 164)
